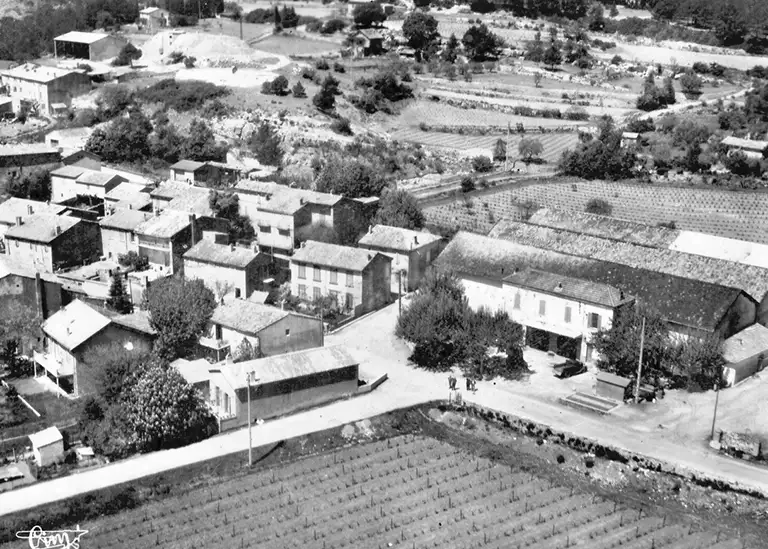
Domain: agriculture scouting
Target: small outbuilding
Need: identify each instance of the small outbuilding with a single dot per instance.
(745, 353)
(47, 446)
(92, 46)
(612, 386)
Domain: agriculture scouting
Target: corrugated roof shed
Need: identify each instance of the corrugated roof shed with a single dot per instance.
(679, 300)
(42, 228)
(579, 289)
(20, 207)
(81, 37)
(124, 220)
(247, 317)
(75, 324)
(753, 280)
(397, 238)
(334, 256)
(287, 366)
(749, 342)
(226, 255)
(165, 225)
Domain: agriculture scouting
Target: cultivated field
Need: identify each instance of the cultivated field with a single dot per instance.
(406, 491)
(287, 44)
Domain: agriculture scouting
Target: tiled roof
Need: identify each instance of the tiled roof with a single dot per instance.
(81, 37)
(209, 251)
(124, 220)
(138, 321)
(606, 227)
(246, 316)
(19, 207)
(749, 144)
(749, 342)
(42, 227)
(679, 300)
(753, 280)
(126, 189)
(170, 190)
(37, 73)
(193, 371)
(581, 290)
(333, 255)
(187, 165)
(397, 238)
(286, 366)
(51, 435)
(195, 202)
(284, 193)
(100, 179)
(75, 324)
(26, 148)
(70, 172)
(165, 225)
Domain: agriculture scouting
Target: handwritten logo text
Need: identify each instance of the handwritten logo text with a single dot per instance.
(55, 539)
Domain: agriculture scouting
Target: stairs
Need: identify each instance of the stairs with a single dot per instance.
(591, 403)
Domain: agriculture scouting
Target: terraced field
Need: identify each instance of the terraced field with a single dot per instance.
(740, 215)
(404, 492)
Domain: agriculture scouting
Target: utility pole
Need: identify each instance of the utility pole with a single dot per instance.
(241, 26)
(714, 415)
(250, 376)
(640, 362)
(506, 149)
(400, 292)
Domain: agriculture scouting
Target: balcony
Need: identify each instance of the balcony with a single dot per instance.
(213, 343)
(53, 366)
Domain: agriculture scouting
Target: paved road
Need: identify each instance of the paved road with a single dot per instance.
(372, 340)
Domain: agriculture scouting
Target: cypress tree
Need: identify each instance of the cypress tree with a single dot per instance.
(118, 299)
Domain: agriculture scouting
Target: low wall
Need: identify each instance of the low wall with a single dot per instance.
(367, 388)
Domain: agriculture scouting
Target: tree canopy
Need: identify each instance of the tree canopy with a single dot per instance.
(420, 29)
(399, 208)
(368, 15)
(480, 44)
(265, 144)
(349, 177)
(201, 144)
(600, 158)
(118, 299)
(226, 205)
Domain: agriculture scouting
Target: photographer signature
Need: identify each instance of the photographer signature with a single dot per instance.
(55, 539)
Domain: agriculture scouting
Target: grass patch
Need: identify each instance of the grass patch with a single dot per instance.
(181, 96)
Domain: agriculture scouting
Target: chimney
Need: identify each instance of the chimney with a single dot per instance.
(58, 229)
(30, 211)
(370, 229)
(415, 239)
(370, 256)
(18, 220)
(559, 287)
(231, 247)
(192, 229)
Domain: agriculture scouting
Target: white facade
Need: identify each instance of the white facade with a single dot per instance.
(218, 277)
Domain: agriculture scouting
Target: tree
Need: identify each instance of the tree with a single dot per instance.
(19, 330)
(349, 177)
(118, 299)
(276, 19)
(244, 351)
(552, 56)
(325, 99)
(451, 50)
(133, 260)
(116, 368)
(278, 86)
(650, 97)
(127, 55)
(290, 18)
(298, 91)
(500, 150)
(598, 206)
(123, 140)
(537, 79)
(529, 148)
(596, 18)
(34, 186)
(467, 184)
(113, 100)
(691, 84)
(166, 143)
(668, 92)
(481, 44)
(420, 29)
(201, 144)
(226, 205)
(399, 208)
(163, 410)
(482, 6)
(368, 15)
(600, 158)
(179, 311)
(482, 163)
(534, 50)
(265, 144)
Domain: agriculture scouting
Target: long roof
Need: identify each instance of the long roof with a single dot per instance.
(37, 73)
(26, 148)
(192, 202)
(165, 225)
(75, 324)
(42, 227)
(679, 300)
(124, 220)
(753, 280)
(20, 207)
(286, 366)
(69, 172)
(334, 256)
(579, 289)
(171, 189)
(51, 435)
(96, 178)
(225, 255)
(81, 37)
(749, 144)
(397, 238)
(284, 192)
(751, 341)
(247, 317)
(188, 165)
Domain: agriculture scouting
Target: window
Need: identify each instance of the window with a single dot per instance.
(226, 403)
(334, 276)
(334, 295)
(594, 320)
(217, 331)
(218, 397)
(517, 301)
(302, 271)
(284, 232)
(316, 293)
(287, 332)
(568, 315)
(350, 279)
(316, 274)
(542, 307)
(302, 291)
(237, 293)
(265, 228)
(350, 303)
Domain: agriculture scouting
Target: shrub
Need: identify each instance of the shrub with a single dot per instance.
(278, 86)
(617, 60)
(314, 26)
(598, 206)
(640, 126)
(176, 57)
(482, 163)
(338, 67)
(128, 54)
(183, 96)
(189, 62)
(691, 84)
(333, 25)
(321, 65)
(467, 184)
(341, 126)
(298, 90)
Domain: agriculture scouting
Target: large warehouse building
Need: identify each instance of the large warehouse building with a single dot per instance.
(92, 46)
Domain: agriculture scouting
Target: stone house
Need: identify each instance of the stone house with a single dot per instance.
(164, 239)
(69, 182)
(153, 18)
(51, 88)
(745, 353)
(15, 209)
(118, 232)
(18, 161)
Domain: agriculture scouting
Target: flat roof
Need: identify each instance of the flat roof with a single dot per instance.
(26, 148)
(124, 220)
(81, 37)
(45, 437)
(751, 341)
(397, 238)
(188, 165)
(247, 317)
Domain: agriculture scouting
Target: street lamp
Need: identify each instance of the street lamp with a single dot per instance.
(250, 377)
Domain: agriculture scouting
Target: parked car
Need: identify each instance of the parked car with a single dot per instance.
(569, 368)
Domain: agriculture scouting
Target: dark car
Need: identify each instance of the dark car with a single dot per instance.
(569, 368)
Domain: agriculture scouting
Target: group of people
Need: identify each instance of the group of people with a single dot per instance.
(471, 384)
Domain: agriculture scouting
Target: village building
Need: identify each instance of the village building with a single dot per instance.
(49, 242)
(69, 336)
(47, 446)
(15, 209)
(188, 171)
(118, 232)
(153, 18)
(19, 161)
(195, 373)
(183, 194)
(745, 354)
(266, 330)
(69, 182)
(165, 238)
(39, 292)
(751, 148)
(128, 195)
(91, 46)
(227, 268)
(280, 384)
(68, 140)
(82, 159)
(412, 252)
(561, 314)
(50, 88)
(358, 280)
(690, 307)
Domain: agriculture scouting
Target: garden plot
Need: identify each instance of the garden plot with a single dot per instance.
(288, 44)
(666, 56)
(405, 491)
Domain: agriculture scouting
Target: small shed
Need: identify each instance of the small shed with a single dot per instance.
(745, 353)
(612, 386)
(47, 446)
